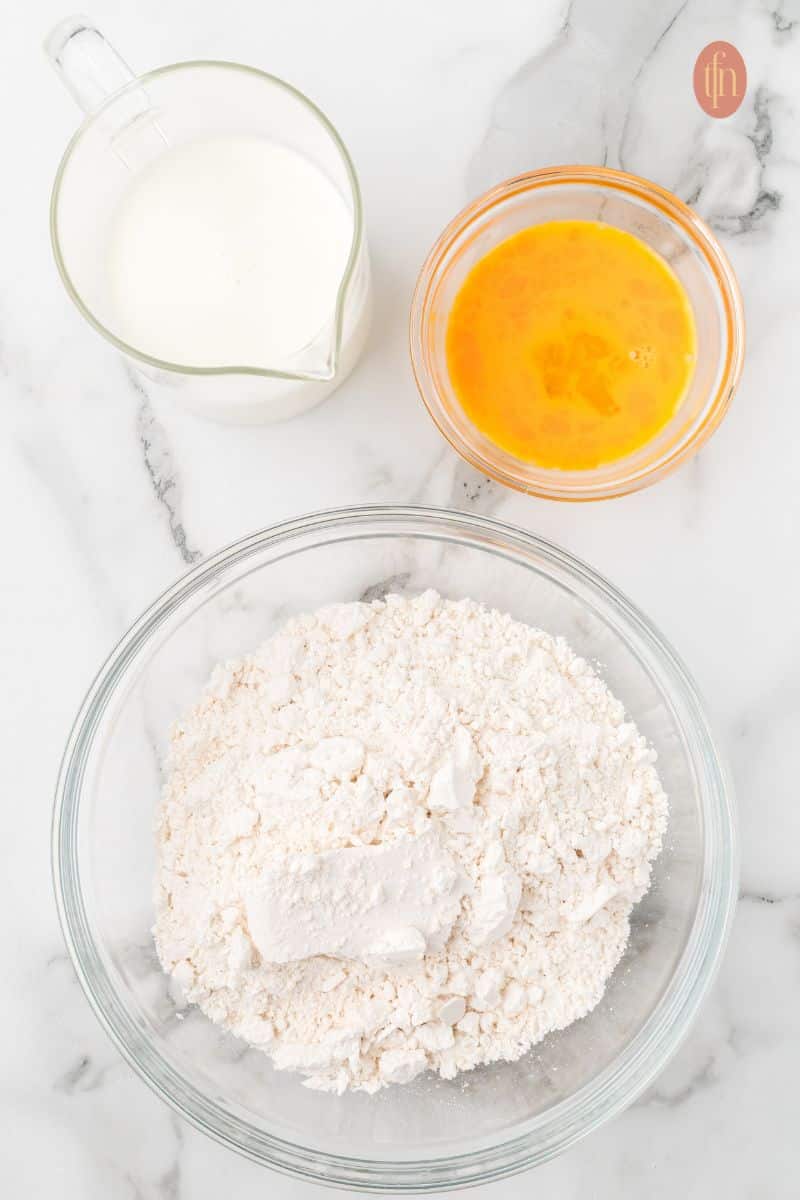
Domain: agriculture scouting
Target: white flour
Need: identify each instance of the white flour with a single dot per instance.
(402, 836)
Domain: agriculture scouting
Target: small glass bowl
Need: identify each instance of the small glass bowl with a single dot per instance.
(432, 1134)
(627, 202)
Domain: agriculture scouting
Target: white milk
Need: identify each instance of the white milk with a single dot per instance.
(227, 252)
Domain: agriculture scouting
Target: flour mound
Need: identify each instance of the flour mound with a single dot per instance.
(402, 836)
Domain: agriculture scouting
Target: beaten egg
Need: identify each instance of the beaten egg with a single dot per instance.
(571, 344)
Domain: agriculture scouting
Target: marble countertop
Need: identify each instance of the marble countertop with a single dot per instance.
(109, 495)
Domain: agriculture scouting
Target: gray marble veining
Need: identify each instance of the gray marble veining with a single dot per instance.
(110, 493)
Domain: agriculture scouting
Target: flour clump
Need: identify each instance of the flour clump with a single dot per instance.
(402, 836)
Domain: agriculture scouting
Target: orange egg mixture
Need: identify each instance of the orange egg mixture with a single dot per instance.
(571, 344)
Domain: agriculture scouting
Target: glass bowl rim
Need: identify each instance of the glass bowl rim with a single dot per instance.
(581, 486)
(548, 1133)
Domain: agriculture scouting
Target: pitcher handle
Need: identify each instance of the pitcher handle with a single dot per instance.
(88, 65)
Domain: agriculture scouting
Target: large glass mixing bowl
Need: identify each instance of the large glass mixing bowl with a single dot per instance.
(430, 1134)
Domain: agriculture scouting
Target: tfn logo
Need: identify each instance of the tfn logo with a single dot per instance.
(720, 79)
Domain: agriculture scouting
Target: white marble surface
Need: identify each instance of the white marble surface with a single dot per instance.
(108, 496)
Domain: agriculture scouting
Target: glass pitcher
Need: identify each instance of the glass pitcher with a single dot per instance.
(132, 120)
